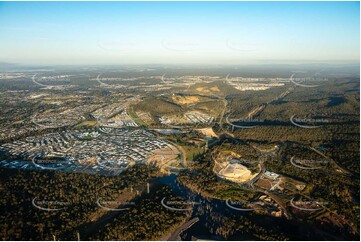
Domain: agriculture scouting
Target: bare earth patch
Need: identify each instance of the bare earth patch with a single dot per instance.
(207, 132)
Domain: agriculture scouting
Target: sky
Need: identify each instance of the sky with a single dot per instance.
(68, 33)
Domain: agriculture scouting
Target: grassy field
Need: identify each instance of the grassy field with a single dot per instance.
(192, 151)
(87, 123)
(135, 117)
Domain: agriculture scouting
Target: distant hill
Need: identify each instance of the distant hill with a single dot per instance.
(158, 106)
(217, 88)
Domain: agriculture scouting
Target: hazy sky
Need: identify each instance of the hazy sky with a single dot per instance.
(179, 33)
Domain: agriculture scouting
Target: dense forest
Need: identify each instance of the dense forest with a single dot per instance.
(76, 195)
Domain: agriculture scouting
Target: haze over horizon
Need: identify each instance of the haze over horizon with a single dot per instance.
(94, 33)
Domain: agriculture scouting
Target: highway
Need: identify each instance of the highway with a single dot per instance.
(100, 82)
(259, 108)
(347, 172)
(50, 86)
(181, 151)
(38, 83)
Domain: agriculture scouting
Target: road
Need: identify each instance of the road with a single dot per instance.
(38, 83)
(45, 126)
(347, 172)
(176, 234)
(255, 179)
(223, 111)
(279, 202)
(182, 151)
(260, 107)
(100, 82)
(49, 86)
